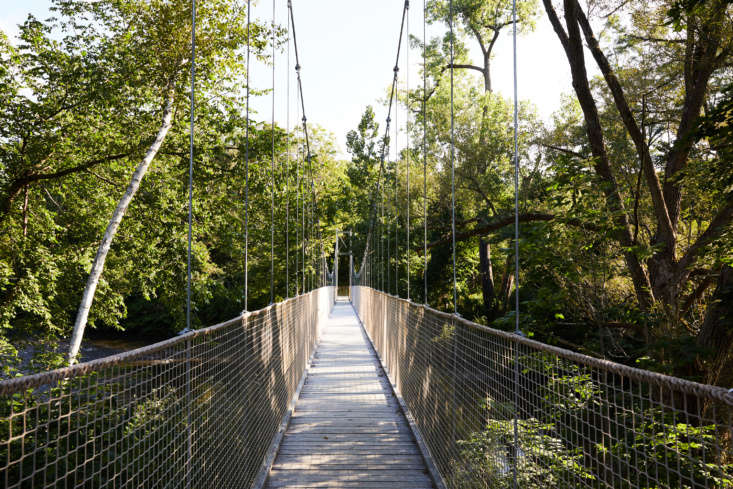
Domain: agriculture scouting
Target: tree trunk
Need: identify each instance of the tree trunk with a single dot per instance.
(25, 213)
(716, 334)
(574, 50)
(506, 283)
(6, 202)
(114, 223)
(487, 279)
(487, 73)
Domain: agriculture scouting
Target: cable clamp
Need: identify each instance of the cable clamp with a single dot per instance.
(396, 69)
(519, 332)
(407, 3)
(297, 67)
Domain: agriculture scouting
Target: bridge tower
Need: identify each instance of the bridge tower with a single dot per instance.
(337, 254)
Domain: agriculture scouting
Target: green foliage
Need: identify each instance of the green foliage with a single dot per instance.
(81, 99)
(583, 424)
(487, 457)
(674, 449)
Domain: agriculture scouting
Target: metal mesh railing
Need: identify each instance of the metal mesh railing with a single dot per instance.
(196, 411)
(487, 403)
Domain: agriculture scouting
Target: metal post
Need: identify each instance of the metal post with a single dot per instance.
(351, 269)
(336, 265)
(189, 438)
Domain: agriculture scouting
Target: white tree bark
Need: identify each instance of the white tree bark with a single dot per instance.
(114, 223)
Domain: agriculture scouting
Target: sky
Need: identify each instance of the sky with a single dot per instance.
(347, 50)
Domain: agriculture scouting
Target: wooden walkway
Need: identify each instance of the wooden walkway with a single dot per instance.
(347, 429)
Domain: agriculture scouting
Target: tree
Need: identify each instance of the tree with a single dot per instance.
(484, 141)
(218, 43)
(698, 49)
(483, 21)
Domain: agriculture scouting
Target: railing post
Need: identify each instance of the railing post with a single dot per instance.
(515, 468)
(386, 308)
(455, 380)
(189, 440)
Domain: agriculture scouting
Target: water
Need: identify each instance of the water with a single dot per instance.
(91, 349)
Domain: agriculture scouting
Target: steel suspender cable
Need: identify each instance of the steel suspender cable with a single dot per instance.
(189, 441)
(190, 165)
(314, 197)
(452, 160)
(394, 188)
(297, 217)
(407, 148)
(246, 168)
(516, 246)
(388, 287)
(287, 173)
(382, 262)
(516, 173)
(300, 205)
(312, 222)
(384, 153)
(425, 150)
(302, 210)
(380, 243)
(272, 170)
(453, 218)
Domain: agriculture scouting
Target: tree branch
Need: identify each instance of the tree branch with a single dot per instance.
(697, 293)
(19, 184)
(655, 39)
(572, 44)
(75, 169)
(464, 67)
(563, 150)
(700, 61)
(652, 179)
(719, 223)
(504, 221)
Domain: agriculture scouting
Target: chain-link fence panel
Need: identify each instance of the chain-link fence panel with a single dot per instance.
(497, 410)
(196, 411)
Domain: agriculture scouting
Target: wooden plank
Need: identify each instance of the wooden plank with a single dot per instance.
(324, 422)
(347, 429)
(338, 458)
(320, 475)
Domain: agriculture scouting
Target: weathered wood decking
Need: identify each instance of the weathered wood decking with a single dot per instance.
(347, 429)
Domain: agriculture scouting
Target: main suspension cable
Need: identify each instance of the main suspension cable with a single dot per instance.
(246, 166)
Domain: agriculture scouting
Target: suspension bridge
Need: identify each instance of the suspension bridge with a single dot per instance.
(364, 389)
